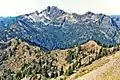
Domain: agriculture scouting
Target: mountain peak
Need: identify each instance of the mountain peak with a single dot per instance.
(51, 8)
(89, 13)
(53, 11)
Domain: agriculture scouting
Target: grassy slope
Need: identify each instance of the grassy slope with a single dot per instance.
(110, 73)
(113, 73)
(84, 70)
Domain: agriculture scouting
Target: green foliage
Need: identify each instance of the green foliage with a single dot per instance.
(69, 71)
(70, 56)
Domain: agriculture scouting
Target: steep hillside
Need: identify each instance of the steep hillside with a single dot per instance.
(112, 72)
(106, 68)
(19, 60)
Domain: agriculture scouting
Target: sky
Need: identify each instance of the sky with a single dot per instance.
(18, 7)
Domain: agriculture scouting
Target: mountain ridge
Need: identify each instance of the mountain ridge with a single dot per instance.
(54, 28)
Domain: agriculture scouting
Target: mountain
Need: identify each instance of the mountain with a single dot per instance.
(54, 28)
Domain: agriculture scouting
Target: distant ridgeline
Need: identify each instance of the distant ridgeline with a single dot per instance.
(54, 28)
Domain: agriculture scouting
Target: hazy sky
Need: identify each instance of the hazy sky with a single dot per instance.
(17, 7)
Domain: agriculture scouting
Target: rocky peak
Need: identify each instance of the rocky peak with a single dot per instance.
(89, 13)
(37, 12)
(99, 19)
(53, 9)
(53, 12)
(48, 9)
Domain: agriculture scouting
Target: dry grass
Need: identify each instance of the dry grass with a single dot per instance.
(91, 67)
(91, 45)
(112, 73)
(60, 55)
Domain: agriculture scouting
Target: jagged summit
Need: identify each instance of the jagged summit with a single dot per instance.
(89, 13)
(52, 9)
(53, 13)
